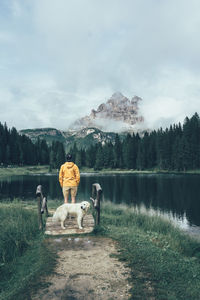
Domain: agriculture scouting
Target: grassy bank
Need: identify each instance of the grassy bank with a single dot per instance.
(165, 263)
(25, 170)
(132, 171)
(23, 254)
(31, 170)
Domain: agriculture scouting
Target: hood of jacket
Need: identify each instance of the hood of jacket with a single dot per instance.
(69, 165)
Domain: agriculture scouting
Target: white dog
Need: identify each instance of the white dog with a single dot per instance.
(73, 209)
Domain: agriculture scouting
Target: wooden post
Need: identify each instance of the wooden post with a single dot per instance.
(96, 200)
(39, 196)
(42, 205)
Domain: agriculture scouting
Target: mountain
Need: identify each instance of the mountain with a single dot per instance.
(49, 134)
(84, 138)
(117, 114)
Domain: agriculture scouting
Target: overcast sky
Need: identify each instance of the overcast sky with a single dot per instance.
(61, 58)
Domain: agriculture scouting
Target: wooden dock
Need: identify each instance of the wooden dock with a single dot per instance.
(54, 228)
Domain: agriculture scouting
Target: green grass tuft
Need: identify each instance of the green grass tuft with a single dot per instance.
(164, 262)
(24, 257)
(17, 228)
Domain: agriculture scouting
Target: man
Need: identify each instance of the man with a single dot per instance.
(69, 178)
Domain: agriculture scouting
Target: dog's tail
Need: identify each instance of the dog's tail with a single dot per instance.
(55, 217)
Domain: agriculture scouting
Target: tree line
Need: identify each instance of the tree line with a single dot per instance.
(16, 149)
(175, 148)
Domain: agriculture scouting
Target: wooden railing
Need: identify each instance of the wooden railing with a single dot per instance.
(96, 200)
(42, 205)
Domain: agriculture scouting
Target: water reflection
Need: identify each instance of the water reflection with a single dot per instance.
(175, 195)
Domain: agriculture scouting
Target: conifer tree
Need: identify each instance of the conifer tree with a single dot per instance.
(128, 152)
(83, 157)
(151, 151)
(160, 149)
(59, 154)
(90, 156)
(51, 160)
(78, 158)
(118, 163)
(14, 147)
(99, 163)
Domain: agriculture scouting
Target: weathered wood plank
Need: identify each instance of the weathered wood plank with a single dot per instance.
(96, 200)
(54, 228)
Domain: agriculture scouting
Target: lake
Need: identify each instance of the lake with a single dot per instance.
(173, 196)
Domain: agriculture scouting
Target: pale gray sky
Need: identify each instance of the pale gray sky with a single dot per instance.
(59, 59)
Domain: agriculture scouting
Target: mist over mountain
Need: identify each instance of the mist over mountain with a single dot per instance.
(118, 114)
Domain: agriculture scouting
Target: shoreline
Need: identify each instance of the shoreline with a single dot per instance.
(44, 170)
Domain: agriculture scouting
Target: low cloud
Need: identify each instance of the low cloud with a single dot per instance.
(171, 98)
(112, 125)
(60, 59)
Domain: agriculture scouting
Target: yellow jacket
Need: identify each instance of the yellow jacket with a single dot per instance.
(69, 174)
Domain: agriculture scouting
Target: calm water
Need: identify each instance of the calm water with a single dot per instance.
(174, 196)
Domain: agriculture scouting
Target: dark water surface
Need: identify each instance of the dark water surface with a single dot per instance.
(174, 196)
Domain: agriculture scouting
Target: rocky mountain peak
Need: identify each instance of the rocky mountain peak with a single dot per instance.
(116, 97)
(117, 114)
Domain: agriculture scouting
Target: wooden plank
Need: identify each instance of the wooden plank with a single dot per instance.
(96, 200)
(54, 228)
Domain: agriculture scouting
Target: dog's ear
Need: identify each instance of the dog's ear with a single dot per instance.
(87, 206)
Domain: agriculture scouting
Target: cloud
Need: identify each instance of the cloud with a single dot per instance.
(59, 59)
(174, 96)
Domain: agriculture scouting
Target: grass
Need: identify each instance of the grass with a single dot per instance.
(31, 170)
(15, 231)
(23, 254)
(25, 170)
(164, 262)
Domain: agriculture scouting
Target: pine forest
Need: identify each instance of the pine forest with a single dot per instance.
(175, 148)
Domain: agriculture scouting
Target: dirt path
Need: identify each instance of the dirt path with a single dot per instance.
(86, 269)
